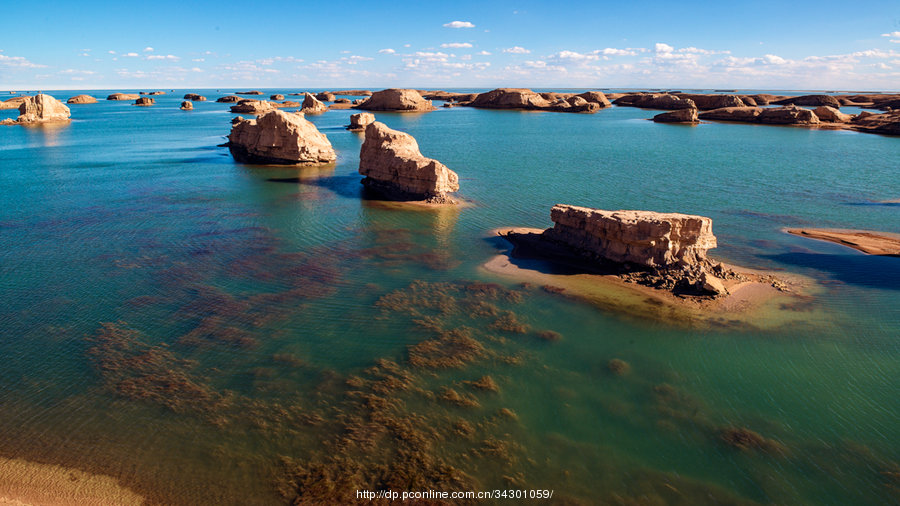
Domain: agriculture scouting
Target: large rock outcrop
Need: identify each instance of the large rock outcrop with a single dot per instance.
(276, 96)
(743, 114)
(394, 167)
(82, 99)
(42, 109)
(510, 98)
(359, 121)
(640, 238)
(279, 137)
(655, 101)
(596, 97)
(789, 115)
(229, 99)
(678, 116)
(709, 101)
(250, 106)
(124, 96)
(886, 124)
(193, 97)
(398, 100)
(830, 114)
(311, 105)
(325, 96)
(810, 100)
(187, 106)
(144, 102)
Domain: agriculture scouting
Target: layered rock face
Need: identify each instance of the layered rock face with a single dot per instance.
(249, 106)
(278, 137)
(187, 106)
(646, 239)
(395, 99)
(82, 99)
(311, 105)
(359, 121)
(123, 96)
(394, 167)
(144, 101)
(678, 116)
(42, 109)
(193, 97)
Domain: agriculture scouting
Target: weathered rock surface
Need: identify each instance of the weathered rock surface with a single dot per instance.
(744, 114)
(123, 96)
(279, 137)
(395, 99)
(187, 106)
(144, 101)
(311, 105)
(229, 99)
(82, 99)
(360, 120)
(288, 104)
(353, 93)
(888, 105)
(249, 106)
(394, 167)
(510, 98)
(789, 115)
(193, 97)
(42, 109)
(156, 93)
(641, 238)
(678, 116)
(810, 100)
(325, 96)
(13, 103)
(887, 123)
(596, 97)
(342, 101)
(254, 92)
(276, 96)
(827, 113)
(655, 101)
(709, 101)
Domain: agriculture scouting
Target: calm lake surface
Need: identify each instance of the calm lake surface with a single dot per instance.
(215, 333)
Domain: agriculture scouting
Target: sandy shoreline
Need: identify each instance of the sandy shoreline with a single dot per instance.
(32, 484)
(758, 300)
(867, 241)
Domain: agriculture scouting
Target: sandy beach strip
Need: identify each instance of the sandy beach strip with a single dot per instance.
(867, 241)
(29, 483)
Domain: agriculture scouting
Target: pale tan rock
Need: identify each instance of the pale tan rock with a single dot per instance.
(711, 284)
(230, 99)
(643, 238)
(811, 100)
(597, 97)
(157, 93)
(252, 92)
(311, 105)
(395, 99)
(325, 96)
(276, 96)
(187, 106)
(709, 101)
(82, 99)
(360, 121)
(13, 103)
(828, 113)
(144, 101)
(42, 109)
(124, 96)
(886, 124)
(511, 98)
(279, 137)
(678, 116)
(250, 106)
(193, 97)
(743, 114)
(395, 168)
(655, 101)
(789, 115)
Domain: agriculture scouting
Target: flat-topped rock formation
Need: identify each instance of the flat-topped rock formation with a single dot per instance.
(886, 124)
(279, 137)
(193, 97)
(708, 101)
(325, 96)
(871, 243)
(82, 99)
(447, 96)
(253, 92)
(528, 100)
(394, 167)
(742, 114)
(359, 121)
(832, 115)
(250, 106)
(810, 100)
(144, 101)
(156, 93)
(311, 105)
(187, 106)
(352, 93)
(788, 115)
(13, 103)
(397, 100)
(39, 109)
(124, 96)
(678, 116)
(655, 101)
(276, 96)
(230, 99)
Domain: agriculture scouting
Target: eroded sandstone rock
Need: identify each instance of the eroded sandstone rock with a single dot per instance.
(230, 99)
(788, 115)
(678, 116)
(187, 106)
(276, 96)
(655, 101)
(810, 100)
(250, 106)
(359, 121)
(709, 101)
(311, 105)
(744, 114)
(82, 99)
(123, 96)
(325, 96)
(394, 167)
(42, 109)
(279, 137)
(193, 97)
(395, 99)
(827, 113)
(144, 101)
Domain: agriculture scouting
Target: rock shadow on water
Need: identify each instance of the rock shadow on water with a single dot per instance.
(855, 269)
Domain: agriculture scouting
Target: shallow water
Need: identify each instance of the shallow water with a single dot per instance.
(253, 301)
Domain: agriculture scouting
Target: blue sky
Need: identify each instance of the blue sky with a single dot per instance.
(270, 44)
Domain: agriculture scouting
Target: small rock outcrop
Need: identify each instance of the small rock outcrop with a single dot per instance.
(279, 137)
(655, 101)
(124, 96)
(276, 96)
(596, 97)
(789, 115)
(311, 105)
(144, 101)
(678, 116)
(82, 99)
(709, 101)
(886, 124)
(398, 100)
(229, 99)
(325, 96)
(249, 106)
(253, 92)
(193, 97)
(830, 114)
(394, 167)
(743, 114)
(42, 109)
(360, 120)
(810, 100)
(156, 93)
(187, 106)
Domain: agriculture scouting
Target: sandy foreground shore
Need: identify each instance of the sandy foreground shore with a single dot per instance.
(869, 242)
(759, 299)
(24, 483)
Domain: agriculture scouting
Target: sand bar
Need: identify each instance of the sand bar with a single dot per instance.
(869, 242)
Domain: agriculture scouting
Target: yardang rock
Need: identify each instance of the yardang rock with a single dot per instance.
(279, 137)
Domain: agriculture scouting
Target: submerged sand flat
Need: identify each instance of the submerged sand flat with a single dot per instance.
(869, 242)
(761, 300)
(29, 483)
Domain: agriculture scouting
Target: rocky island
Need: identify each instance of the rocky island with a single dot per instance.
(40, 109)
(397, 100)
(279, 137)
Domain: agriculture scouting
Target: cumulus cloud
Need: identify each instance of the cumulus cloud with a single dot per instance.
(456, 45)
(611, 51)
(148, 49)
(573, 56)
(131, 55)
(459, 24)
(484, 53)
(516, 50)
(892, 34)
(170, 57)
(663, 48)
(386, 51)
(18, 61)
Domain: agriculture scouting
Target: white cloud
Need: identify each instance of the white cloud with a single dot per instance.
(456, 45)
(111, 51)
(199, 59)
(387, 51)
(611, 51)
(18, 61)
(516, 50)
(459, 24)
(131, 55)
(353, 60)
(696, 50)
(892, 34)
(148, 49)
(663, 48)
(774, 60)
(483, 53)
(572, 56)
(76, 72)
(170, 57)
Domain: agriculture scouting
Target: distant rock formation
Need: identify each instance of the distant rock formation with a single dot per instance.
(743, 114)
(352, 93)
(193, 97)
(789, 115)
(311, 105)
(525, 99)
(13, 103)
(144, 101)
(123, 96)
(342, 101)
(394, 167)
(709, 101)
(276, 96)
(810, 100)
(250, 106)
(678, 116)
(655, 101)
(41, 109)
(596, 97)
(187, 106)
(82, 99)
(325, 96)
(359, 121)
(279, 137)
(288, 104)
(156, 93)
(887, 123)
(229, 99)
(398, 100)
(254, 92)
(830, 114)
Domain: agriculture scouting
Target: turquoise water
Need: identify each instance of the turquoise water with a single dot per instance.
(245, 307)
